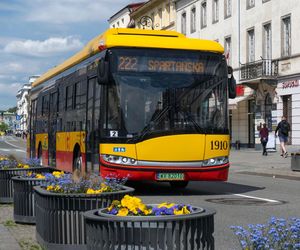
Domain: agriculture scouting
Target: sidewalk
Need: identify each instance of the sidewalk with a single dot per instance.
(252, 161)
(246, 161)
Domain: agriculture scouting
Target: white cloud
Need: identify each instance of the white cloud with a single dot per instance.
(47, 47)
(10, 89)
(70, 11)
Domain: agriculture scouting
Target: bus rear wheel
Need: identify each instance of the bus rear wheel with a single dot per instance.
(179, 184)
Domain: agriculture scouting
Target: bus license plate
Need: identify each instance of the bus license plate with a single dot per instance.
(170, 176)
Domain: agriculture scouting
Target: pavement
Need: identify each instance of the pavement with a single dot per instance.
(245, 161)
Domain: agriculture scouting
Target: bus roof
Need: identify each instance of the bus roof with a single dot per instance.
(137, 38)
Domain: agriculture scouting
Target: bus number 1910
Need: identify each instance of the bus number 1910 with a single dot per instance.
(218, 145)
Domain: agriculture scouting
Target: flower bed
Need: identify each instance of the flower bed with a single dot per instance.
(278, 233)
(10, 168)
(60, 205)
(24, 211)
(130, 224)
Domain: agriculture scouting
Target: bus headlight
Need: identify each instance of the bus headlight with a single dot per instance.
(119, 160)
(215, 161)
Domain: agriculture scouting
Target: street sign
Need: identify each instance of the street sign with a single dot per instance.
(19, 117)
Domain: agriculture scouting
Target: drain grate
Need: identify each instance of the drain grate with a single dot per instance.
(243, 202)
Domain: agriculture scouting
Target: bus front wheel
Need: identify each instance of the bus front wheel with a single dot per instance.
(179, 184)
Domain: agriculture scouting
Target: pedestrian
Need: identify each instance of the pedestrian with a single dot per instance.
(264, 136)
(283, 129)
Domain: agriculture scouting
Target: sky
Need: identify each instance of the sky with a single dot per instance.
(36, 35)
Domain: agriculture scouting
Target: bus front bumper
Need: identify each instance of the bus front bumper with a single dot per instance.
(212, 173)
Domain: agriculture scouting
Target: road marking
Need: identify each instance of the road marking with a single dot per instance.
(256, 198)
(11, 144)
(12, 149)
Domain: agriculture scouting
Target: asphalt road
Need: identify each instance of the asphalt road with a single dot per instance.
(11, 145)
(245, 199)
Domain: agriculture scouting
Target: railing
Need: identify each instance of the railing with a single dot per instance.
(262, 68)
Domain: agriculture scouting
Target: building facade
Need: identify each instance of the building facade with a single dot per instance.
(23, 105)
(121, 19)
(259, 38)
(155, 14)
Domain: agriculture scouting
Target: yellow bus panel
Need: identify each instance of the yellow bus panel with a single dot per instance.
(172, 148)
(127, 150)
(66, 141)
(43, 139)
(216, 145)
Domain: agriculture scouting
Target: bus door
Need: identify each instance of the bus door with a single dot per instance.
(92, 126)
(32, 129)
(52, 128)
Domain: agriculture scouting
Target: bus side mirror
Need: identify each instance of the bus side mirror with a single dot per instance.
(103, 67)
(231, 84)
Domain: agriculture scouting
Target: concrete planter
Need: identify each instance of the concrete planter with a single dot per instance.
(24, 211)
(191, 231)
(59, 217)
(6, 183)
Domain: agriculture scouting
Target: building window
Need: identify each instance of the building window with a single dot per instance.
(183, 23)
(227, 8)
(286, 36)
(267, 41)
(193, 20)
(215, 11)
(250, 45)
(203, 14)
(160, 18)
(227, 47)
(250, 4)
(153, 19)
(168, 12)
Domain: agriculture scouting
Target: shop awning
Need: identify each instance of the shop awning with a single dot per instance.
(233, 103)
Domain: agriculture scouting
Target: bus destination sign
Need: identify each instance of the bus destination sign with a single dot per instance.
(146, 64)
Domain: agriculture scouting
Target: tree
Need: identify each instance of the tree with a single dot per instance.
(3, 126)
(12, 110)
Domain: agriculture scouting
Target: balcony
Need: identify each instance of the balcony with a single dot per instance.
(262, 69)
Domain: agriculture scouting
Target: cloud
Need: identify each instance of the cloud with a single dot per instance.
(10, 89)
(70, 11)
(47, 47)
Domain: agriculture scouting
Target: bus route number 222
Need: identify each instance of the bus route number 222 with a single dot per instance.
(218, 145)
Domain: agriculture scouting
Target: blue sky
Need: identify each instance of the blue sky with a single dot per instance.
(36, 35)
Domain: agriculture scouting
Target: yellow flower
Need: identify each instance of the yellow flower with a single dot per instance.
(132, 203)
(40, 176)
(50, 188)
(26, 166)
(57, 188)
(57, 174)
(90, 191)
(166, 205)
(183, 210)
(123, 212)
(29, 173)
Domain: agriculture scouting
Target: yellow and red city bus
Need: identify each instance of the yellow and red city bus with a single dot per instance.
(142, 104)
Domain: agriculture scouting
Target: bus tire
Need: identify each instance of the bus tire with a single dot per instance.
(179, 184)
(77, 159)
(40, 154)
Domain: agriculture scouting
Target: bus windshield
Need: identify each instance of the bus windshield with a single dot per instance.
(157, 92)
